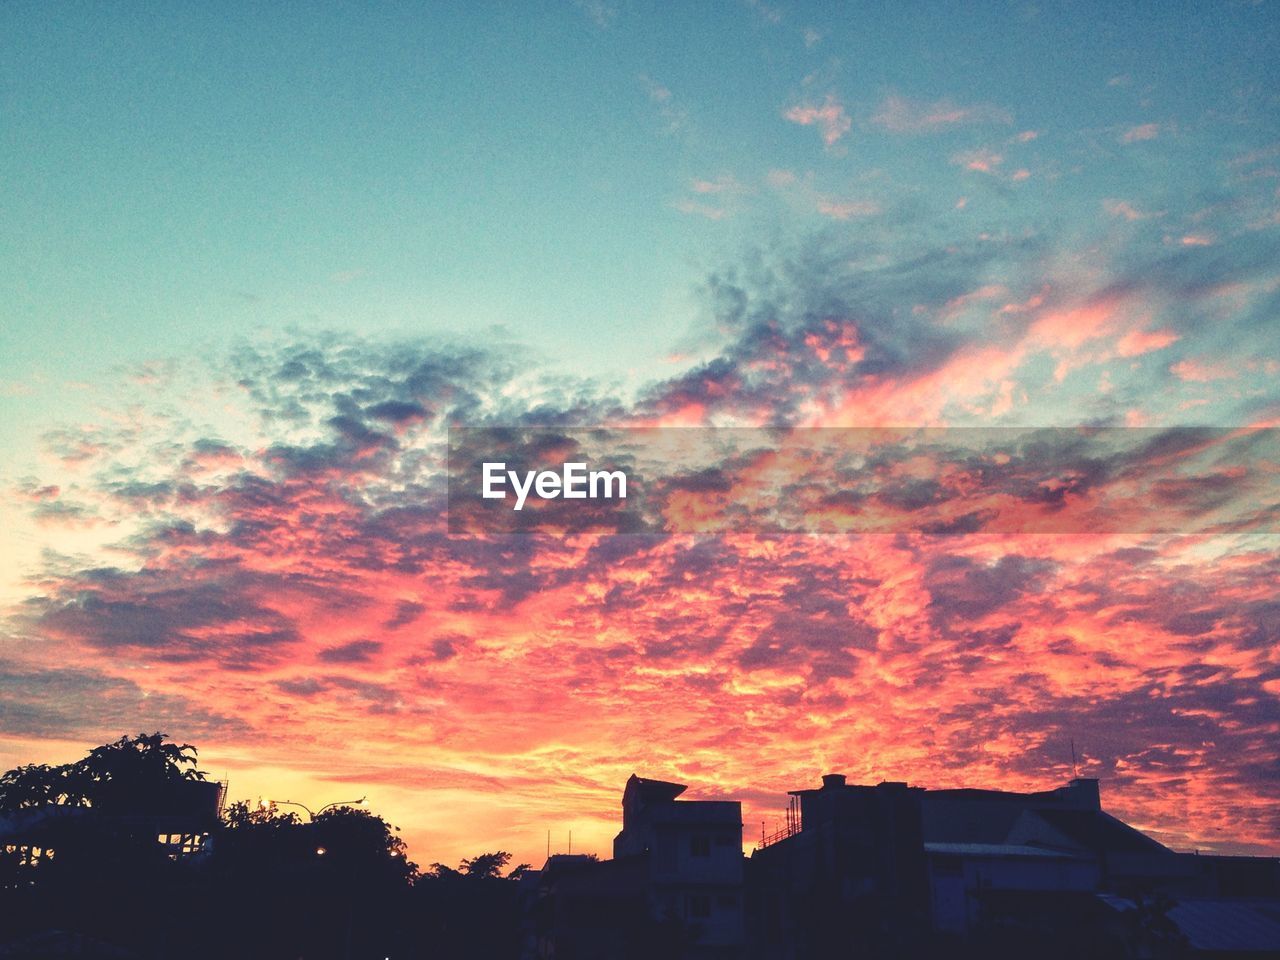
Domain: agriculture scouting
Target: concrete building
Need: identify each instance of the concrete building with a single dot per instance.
(847, 876)
(673, 888)
(893, 870)
(693, 852)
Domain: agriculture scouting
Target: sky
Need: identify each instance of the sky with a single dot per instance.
(256, 261)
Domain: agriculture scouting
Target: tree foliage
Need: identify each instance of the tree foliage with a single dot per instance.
(132, 774)
(269, 883)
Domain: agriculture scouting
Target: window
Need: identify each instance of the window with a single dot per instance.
(25, 855)
(183, 844)
(700, 846)
(699, 907)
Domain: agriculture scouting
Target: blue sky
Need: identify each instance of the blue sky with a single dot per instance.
(179, 175)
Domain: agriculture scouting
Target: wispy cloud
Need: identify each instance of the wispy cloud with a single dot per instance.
(982, 160)
(829, 117)
(724, 184)
(674, 116)
(1126, 210)
(899, 114)
(1143, 131)
(838, 209)
(599, 12)
(766, 12)
(705, 210)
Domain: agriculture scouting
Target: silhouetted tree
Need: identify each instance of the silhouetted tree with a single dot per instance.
(269, 884)
(35, 785)
(131, 775)
(471, 911)
(335, 886)
(100, 816)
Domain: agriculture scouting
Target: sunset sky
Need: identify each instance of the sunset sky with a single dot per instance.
(255, 262)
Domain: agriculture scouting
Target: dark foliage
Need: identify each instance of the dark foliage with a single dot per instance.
(80, 854)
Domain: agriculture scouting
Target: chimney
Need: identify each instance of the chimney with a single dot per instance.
(1083, 793)
(832, 781)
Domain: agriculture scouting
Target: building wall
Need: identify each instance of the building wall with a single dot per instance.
(958, 882)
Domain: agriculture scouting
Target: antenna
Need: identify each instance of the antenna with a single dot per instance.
(548, 844)
(570, 843)
(1075, 770)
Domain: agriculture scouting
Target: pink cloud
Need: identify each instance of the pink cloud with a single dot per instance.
(1145, 131)
(848, 209)
(1123, 208)
(899, 114)
(1137, 342)
(830, 118)
(982, 160)
(1199, 371)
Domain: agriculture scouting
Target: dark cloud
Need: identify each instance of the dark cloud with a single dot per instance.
(170, 618)
(72, 703)
(357, 651)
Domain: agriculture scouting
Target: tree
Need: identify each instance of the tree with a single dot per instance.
(132, 775)
(486, 866)
(36, 785)
(333, 886)
(473, 911)
(96, 821)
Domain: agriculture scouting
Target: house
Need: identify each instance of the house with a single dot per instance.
(894, 870)
(693, 853)
(673, 888)
(847, 877)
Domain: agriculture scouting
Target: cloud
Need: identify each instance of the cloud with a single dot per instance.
(1193, 370)
(704, 210)
(981, 160)
(1143, 131)
(830, 118)
(1126, 210)
(291, 587)
(599, 12)
(1137, 342)
(357, 651)
(674, 116)
(72, 703)
(768, 14)
(848, 209)
(724, 184)
(899, 114)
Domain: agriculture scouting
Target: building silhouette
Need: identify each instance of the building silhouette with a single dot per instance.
(897, 871)
(673, 887)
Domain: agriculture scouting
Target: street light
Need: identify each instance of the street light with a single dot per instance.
(312, 814)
